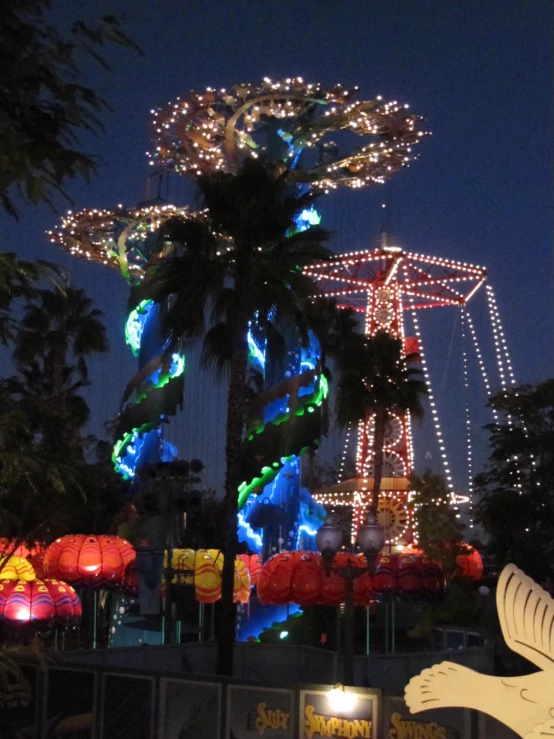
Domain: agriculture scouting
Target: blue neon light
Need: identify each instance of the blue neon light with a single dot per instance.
(248, 530)
(308, 217)
(256, 354)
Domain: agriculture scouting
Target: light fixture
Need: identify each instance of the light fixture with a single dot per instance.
(328, 539)
(339, 700)
(370, 538)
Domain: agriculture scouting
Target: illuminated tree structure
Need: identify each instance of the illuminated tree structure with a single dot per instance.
(382, 285)
(291, 126)
(126, 239)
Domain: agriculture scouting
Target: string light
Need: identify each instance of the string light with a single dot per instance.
(434, 412)
(344, 453)
(484, 375)
(505, 368)
(467, 417)
(213, 131)
(500, 337)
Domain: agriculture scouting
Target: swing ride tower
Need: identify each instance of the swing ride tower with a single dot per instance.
(382, 285)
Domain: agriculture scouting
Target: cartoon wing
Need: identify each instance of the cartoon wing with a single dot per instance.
(543, 731)
(526, 614)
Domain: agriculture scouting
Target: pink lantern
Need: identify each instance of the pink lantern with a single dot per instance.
(40, 602)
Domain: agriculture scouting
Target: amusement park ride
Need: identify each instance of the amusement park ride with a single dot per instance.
(287, 122)
(382, 284)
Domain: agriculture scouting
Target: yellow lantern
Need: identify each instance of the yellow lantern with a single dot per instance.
(18, 568)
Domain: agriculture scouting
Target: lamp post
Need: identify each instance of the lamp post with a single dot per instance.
(370, 540)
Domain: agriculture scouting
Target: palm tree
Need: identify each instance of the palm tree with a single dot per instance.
(58, 326)
(244, 261)
(377, 379)
(18, 279)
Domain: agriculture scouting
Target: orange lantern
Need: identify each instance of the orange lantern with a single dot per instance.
(470, 563)
(242, 585)
(91, 560)
(254, 566)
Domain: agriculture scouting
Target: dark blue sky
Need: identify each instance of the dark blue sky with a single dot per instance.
(481, 191)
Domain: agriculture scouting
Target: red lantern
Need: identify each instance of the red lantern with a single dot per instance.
(37, 563)
(332, 589)
(275, 578)
(470, 563)
(22, 550)
(305, 581)
(91, 560)
(299, 577)
(410, 580)
(40, 602)
(385, 581)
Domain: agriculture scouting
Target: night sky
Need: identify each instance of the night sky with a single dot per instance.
(481, 191)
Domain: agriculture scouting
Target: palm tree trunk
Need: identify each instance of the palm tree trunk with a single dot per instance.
(378, 442)
(233, 447)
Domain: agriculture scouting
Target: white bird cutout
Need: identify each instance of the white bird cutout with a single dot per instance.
(525, 704)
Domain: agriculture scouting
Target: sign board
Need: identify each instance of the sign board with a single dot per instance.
(399, 723)
(259, 712)
(69, 706)
(127, 706)
(353, 717)
(189, 709)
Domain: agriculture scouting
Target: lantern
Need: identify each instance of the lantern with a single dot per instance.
(37, 562)
(242, 585)
(207, 575)
(182, 560)
(301, 577)
(255, 568)
(385, 581)
(332, 589)
(22, 550)
(305, 584)
(40, 602)
(253, 564)
(433, 579)
(410, 575)
(470, 563)
(91, 560)
(18, 568)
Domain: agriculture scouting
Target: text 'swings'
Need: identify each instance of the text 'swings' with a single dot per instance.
(526, 614)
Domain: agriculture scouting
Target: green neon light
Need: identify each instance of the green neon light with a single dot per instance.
(121, 445)
(164, 378)
(268, 474)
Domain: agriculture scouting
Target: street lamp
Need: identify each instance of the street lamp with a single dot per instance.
(370, 539)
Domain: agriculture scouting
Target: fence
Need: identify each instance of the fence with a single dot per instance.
(104, 702)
